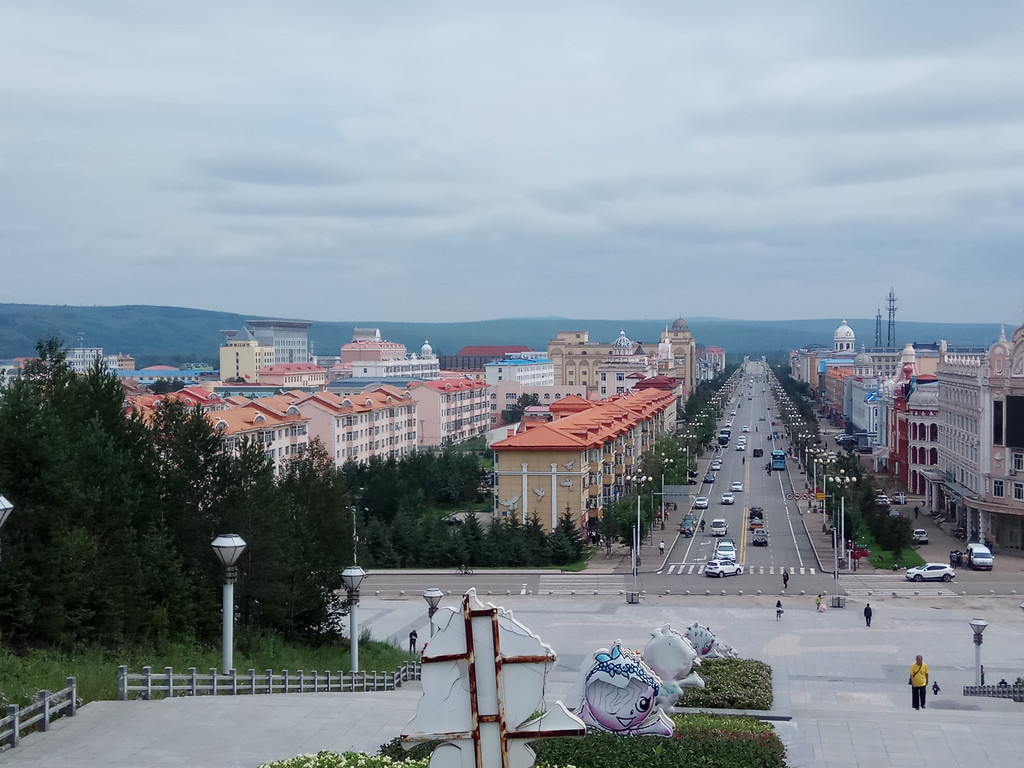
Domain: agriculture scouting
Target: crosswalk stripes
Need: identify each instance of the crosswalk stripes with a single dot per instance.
(865, 586)
(690, 569)
(582, 583)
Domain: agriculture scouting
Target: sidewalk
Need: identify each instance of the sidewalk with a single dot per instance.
(843, 685)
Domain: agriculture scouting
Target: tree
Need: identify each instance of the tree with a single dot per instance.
(514, 413)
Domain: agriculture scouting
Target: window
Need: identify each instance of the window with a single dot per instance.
(1018, 462)
(997, 488)
(1018, 491)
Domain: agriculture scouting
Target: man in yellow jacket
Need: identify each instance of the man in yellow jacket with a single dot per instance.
(919, 681)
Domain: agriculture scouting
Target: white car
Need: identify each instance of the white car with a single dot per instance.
(931, 572)
(725, 552)
(882, 499)
(746, 428)
(701, 502)
(728, 498)
(920, 535)
(737, 486)
(722, 568)
(716, 465)
(741, 446)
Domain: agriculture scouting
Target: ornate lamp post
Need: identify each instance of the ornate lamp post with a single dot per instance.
(352, 577)
(228, 548)
(977, 626)
(433, 597)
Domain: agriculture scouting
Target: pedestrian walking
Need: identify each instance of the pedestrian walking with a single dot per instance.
(778, 610)
(918, 682)
(935, 688)
(412, 641)
(817, 603)
(982, 674)
(917, 511)
(952, 558)
(661, 547)
(785, 579)
(867, 614)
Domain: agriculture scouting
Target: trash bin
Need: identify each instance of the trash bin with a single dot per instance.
(632, 598)
(838, 601)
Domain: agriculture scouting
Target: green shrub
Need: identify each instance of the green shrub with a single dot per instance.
(328, 759)
(732, 684)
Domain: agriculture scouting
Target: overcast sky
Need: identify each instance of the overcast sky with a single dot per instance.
(459, 161)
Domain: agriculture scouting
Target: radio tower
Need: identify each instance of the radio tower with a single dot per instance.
(878, 328)
(891, 302)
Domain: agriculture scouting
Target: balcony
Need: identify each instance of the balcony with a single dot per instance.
(594, 491)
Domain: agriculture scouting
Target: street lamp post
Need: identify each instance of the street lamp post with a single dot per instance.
(5, 510)
(352, 577)
(433, 597)
(977, 626)
(228, 548)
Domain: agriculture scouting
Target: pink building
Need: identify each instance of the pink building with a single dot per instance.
(450, 410)
(381, 422)
(273, 421)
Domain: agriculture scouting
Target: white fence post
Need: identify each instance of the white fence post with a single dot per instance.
(148, 680)
(44, 701)
(72, 685)
(122, 683)
(169, 674)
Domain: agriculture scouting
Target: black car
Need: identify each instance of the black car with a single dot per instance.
(709, 477)
(760, 539)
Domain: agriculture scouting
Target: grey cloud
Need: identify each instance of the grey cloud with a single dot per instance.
(275, 171)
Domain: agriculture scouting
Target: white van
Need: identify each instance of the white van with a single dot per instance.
(719, 527)
(979, 557)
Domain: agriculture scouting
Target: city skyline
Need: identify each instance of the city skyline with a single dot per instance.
(464, 162)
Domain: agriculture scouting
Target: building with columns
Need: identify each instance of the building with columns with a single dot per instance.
(580, 460)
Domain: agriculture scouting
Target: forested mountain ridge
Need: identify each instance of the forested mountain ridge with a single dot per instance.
(176, 335)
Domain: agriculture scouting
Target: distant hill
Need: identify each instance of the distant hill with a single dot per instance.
(176, 335)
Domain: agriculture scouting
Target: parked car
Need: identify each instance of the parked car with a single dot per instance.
(882, 499)
(737, 486)
(920, 535)
(728, 498)
(722, 568)
(931, 572)
(701, 502)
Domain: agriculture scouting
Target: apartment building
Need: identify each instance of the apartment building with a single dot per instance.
(580, 460)
(450, 410)
(241, 356)
(289, 375)
(274, 422)
(528, 371)
(354, 427)
(289, 338)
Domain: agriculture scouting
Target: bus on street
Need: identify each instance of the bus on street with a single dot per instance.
(778, 459)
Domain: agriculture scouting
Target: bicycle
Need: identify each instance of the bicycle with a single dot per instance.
(464, 571)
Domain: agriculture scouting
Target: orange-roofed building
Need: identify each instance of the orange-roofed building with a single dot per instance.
(273, 421)
(292, 375)
(450, 410)
(354, 427)
(581, 460)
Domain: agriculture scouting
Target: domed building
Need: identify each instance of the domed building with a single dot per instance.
(844, 341)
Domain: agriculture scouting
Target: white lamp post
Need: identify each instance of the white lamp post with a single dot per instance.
(977, 626)
(5, 510)
(433, 597)
(352, 577)
(228, 548)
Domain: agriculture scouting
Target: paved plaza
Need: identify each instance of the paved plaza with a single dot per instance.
(842, 697)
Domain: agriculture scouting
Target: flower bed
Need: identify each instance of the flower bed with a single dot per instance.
(732, 684)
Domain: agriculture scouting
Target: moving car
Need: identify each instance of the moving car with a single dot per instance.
(746, 428)
(741, 446)
(882, 499)
(728, 498)
(920, 535)
(760, 539)
(716, 465)
(709, 478)
(722, 568)
(701, 502)
(719, 527)
(725, 552)
(931, 572)
(737, 486)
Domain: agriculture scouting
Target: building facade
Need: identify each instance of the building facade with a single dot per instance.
(450, 411)
(579, 461)
(241, 355)
(289, 338)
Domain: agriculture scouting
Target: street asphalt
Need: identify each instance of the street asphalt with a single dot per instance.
(841, 693)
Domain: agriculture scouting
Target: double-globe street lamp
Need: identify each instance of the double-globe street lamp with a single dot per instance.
(228, 548)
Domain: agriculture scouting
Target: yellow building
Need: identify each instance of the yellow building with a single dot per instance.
(581, 459)
(578, 361)
(241, 356)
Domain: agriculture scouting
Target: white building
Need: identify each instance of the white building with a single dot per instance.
(289, 338)
(528, 371)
